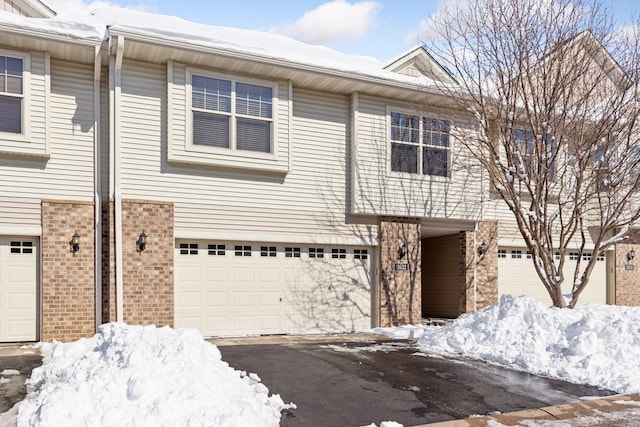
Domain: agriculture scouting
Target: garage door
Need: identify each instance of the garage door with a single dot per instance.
(245, 288)
(517, 276)
(18, 289)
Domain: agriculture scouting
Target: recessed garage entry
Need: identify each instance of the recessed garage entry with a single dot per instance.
(18, 289)
(517, 276)
(252, 288)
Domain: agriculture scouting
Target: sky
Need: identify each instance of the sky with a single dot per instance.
(383, 29)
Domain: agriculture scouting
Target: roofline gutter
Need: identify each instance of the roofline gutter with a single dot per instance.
(281, 63)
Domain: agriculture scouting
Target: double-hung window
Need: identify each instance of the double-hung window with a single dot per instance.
(11, 94)
(232, 114)
(419, 144)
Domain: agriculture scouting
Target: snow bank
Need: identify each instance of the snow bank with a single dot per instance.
(144, 376)
(592, 344)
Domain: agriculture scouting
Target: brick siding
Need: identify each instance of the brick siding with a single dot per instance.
(68, 281)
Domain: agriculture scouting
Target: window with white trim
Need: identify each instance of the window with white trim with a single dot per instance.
(419, 144)
(316, 252)
(11, 94)
(232, 114)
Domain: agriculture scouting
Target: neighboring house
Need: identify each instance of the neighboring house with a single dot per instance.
(232, 181)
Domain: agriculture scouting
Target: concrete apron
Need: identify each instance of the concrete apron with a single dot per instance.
(617, 403)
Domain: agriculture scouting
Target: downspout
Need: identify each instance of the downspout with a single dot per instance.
(116, 142)
(475, 267)
(97, 184)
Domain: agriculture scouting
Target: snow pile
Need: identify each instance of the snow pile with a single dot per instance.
(144, 376)
(401, 332)
(592, 344)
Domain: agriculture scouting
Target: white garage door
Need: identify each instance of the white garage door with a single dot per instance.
(517, 276)
(18, 289)
(240, 288)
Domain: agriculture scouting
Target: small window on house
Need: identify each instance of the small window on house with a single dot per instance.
(417, 140)
(528, 254)
(586, 256)
(502, 253)
(600, 257)
(217, 123)
(557, 255)
(242, 250)
(516, 254)
(316, 252)
(268, 251)
(292, 252)
(18, 247)
(217, 250)
(338, 253)
(188, 249)
(574, 256)
(360, 254)
(11, 94)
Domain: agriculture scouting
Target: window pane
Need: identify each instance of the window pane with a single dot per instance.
(14, 66)
(10, 115)
(436, 132)
(404, 158)
(14, 85)
(254, 135)
(211, 94)
(405, 127)
(254, 100)
(211, 130)
(434, 162)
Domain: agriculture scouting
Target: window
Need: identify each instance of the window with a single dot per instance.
(269, 251)
(360, 254)
(21, 247)
(188, 249)
(574, 256)
(242, 250)
(516, 254)
(338, 253)
(502, 253)
(417, 140)
(11, 94)
(231, 114)
(528, 254)
(316, 253)
(292, 252)
(524, 156)
(217, 249)
(600, 257)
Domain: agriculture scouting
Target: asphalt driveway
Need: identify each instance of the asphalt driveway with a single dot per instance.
(356, 384)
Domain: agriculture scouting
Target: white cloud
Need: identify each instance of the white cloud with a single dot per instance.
(427, 27)
(333, 21)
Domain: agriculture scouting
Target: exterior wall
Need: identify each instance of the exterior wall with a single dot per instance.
(148, 275)
(68, 281)
(68, 173)
(10, 6)
(108, 263)
(379, 191)
(627, 286)
(479, 272)
(307, 204)
(400, 291)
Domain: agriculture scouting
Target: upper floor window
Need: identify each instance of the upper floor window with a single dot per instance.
(11, 94)
(232, 114)
(419, 144)
(525, 156)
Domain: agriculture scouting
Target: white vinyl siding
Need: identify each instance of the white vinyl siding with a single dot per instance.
(308, 201)
(378, 190)
(68, 173)
(230, 133)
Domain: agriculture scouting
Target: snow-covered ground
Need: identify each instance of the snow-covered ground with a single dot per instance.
(598, 345)
(139, 376)
(143, 376)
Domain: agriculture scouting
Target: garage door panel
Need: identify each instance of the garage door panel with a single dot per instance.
(217, 299)
(18, 289)
(517, 276)
(277, 293)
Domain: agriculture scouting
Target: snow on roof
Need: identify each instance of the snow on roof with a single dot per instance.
(85, 29)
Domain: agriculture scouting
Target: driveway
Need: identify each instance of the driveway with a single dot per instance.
(359, 383)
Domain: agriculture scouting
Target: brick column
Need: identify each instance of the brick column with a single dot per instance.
(68, 279)
(627, 284)
(400, 290)
(148, 275)
(479, 273)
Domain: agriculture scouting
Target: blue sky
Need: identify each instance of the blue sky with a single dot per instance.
(378, 28)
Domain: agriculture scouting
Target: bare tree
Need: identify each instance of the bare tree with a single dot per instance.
(553, 88)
